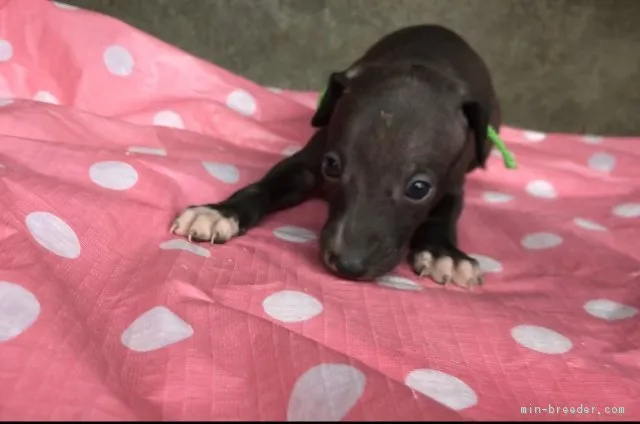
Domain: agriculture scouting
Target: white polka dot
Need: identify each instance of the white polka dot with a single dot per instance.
(19, 309)
(592, 139)
(487, 264)
(65, 6)
(242, 102)
(534, 136)
(155, 329)
(294, 234)
(158, 151)
(226, 173)
(588, 225)
(180, 244)
(46, 97)
(602, 162)
(537, 241)
(113, 175)
(495, 197)
(168, 118)
(290, 150)
(541, 339)
(291, 306)
(53, 234)
(397, 282)
(118, 60)
(443, 388)
(542, 189)
(325, 393)
(6, 50)
(5, 102)
(627, 210)
(609, 310)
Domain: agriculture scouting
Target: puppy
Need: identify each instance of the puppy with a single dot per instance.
(396, 134)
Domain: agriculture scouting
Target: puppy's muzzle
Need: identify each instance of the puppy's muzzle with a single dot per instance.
(349, 263)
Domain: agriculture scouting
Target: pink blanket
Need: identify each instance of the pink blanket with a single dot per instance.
(106, 133)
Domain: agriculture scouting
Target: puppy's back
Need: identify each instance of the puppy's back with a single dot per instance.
(422, 43)
(439, 47)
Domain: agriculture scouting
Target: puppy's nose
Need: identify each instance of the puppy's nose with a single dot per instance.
(350, 264)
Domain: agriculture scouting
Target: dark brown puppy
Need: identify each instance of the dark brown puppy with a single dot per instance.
(398, 131)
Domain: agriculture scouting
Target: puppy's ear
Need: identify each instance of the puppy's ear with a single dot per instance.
(338, 84)
(478, 120)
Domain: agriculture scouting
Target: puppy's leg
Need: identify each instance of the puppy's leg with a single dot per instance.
(434, 249)
(287, 184)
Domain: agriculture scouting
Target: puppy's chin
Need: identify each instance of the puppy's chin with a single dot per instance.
(382, 267)
(378, 269)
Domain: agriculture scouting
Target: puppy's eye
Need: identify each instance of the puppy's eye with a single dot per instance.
(331, 166)
(418, 189)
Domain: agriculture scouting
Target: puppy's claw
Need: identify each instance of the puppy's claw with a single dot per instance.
(203, 223)
(463, 272)
(173, 228)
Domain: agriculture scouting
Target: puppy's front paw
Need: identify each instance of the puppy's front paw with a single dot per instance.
(202, 223)
(447, 266)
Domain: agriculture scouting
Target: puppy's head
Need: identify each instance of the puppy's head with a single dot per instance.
(398, 139)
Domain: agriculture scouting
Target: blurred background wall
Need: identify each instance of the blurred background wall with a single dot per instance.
(559, 65)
